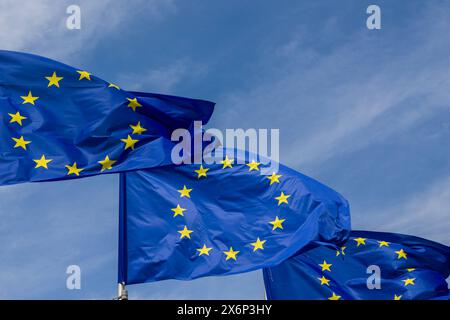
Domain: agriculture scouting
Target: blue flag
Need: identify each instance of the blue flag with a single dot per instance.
(190, 221)
(404, 267)
(58, 122)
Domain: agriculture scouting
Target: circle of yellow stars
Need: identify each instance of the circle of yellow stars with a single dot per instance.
(231, 253)
(326, 267)
(54, 82)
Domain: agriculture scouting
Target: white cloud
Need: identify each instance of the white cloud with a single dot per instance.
(49, 226)
(424, 214)
(162, 79)
(342, 99)
(39, 26)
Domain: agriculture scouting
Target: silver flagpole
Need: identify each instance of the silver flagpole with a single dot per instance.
(122, 292)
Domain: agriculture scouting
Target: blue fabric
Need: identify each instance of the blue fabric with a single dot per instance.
(428, 263)
(229, 208)
(80, 118)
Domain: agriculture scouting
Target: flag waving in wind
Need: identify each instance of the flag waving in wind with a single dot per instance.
(190, 221)
(58, 122)
(370, 266)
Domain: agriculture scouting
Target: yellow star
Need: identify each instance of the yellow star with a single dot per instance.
(324, 281)
(53, 80)
(107, 163)
(16, 117)
(325, 266)
(384, 243)
(258, 244)
(178, 211)
(282, 198)
(231, 254)
(73, 169)
(185, 233)
(133, 104)
(338, 252)
(137, 129)
(409, 281)
(129, 142)
(84, 75)
(112, 85)
(253, 165)
(201, 172)
(396, 297)
(277, 223)
(360, 241)
(410, 269)
(29, 98)
(274, 178)
(401, 254)
(20, 142)
(334, 297)
(227, 163)
(204, 250)
(185, 192)
(42, 162)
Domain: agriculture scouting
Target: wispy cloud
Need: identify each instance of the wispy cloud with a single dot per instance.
(342, 99)
(163, 79)
(424, 214)
(48, 226)
(39, 26)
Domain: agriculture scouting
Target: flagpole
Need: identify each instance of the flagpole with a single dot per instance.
(122, 293)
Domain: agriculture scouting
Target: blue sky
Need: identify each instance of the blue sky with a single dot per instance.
(366, 112)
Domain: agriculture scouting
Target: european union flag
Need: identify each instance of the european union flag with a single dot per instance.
(59, 122)
(370, 266)
(190, 221)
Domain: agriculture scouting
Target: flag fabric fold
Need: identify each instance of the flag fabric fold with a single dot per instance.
(190, 221)
(60, 122)
(406, 268)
